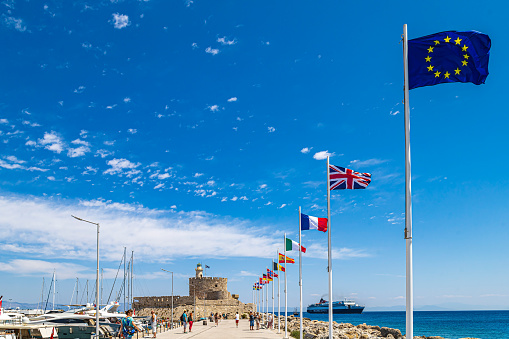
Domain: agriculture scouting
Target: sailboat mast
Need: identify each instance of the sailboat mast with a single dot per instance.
(132, 273)
(54, 289)
(124, 275)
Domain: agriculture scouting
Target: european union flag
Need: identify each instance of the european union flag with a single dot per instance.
(448, 57)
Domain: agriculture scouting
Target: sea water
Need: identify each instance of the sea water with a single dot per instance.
(447, 324)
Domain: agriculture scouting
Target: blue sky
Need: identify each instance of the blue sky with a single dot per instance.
(193, 131)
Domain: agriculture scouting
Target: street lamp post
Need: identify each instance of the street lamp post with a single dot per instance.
(96, 278)
(171, 319)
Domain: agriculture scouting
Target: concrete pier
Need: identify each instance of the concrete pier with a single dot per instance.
(225, 330)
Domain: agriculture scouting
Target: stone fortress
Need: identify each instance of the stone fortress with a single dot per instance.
(207, 294)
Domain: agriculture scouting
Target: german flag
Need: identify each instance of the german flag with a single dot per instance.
(288, 259)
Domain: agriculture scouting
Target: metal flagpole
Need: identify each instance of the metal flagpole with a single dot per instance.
(408, 199)
(286, 290)
(278, 296)
(329, 267)
(267, 301)
(272, 325)
(300, 274)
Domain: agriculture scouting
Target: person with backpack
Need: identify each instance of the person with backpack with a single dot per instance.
(127, 326)
(183, 318)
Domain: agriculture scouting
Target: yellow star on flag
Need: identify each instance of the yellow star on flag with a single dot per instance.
(466, 56)
(464, 63)
(430, 49)
(446, 75)
(437, 74)
(430, 68)
(464, 48)
(457, 41)
(437, 42)
(457, 71)
(428, 59)
(447, 39)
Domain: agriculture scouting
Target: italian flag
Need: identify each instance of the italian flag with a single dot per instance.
(294, 246)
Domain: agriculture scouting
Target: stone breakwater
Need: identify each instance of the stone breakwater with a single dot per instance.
(315, 329)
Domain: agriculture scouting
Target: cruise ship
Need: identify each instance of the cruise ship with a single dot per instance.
(338, 307)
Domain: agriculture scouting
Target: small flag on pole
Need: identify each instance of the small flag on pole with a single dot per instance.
(282, 260)
(294, 246)
(448, 57)
(343, 178)
(278, 267)
(308, 222)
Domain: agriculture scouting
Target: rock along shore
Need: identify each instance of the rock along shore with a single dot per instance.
(316, 329)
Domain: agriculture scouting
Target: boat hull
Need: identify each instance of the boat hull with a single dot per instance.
(336, 311)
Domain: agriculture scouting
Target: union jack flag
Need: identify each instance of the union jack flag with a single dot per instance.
(343, 178)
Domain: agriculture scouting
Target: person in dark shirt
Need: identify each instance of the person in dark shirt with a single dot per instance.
(251, 321)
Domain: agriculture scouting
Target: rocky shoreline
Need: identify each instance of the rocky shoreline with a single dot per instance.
(316, 329)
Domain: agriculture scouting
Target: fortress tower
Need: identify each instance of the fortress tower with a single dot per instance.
(210, 288)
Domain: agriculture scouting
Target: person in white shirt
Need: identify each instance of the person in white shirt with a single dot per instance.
(237, 319)
(153, 321)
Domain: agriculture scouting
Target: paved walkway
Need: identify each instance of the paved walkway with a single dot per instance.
(225, 330)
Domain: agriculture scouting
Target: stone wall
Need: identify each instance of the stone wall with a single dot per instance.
(161, 302)
(229, 307)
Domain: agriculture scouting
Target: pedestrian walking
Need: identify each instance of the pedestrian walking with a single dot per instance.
(237, 319)
(251, 321)
(153, 321)
(127, 326)
(257, 320)
(183, 318)
(190, 319)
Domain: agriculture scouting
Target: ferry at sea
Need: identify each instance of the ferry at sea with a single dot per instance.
(338, 307)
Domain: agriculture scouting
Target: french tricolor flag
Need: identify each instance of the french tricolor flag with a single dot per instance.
(308, 222)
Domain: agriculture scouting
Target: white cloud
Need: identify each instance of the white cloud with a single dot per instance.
(4, 121)
(210, 158)
(81, 142)
(26, 223)
(194, 45)
(104, 153)
(120, 20)
(322, 155)
(77, 152)
(282, 206)
(271, 129)
(211, 182)
(243, 198)
(247, 274)
(51, 141)
(394, 113)
(127, 99)
(263, 185)
(306, 150)
(197, 175)
(31, 267)
(210, 50)
(31, 124)
(14, 23)
(158, 186)
(132, 130)
(369, 162)
(233, 99)
(317, 250)
(7, 165)
(119, 165)
(80, 89)
(234, 199)
(213, 108)
(31, 143)
(224, 41)
(12, 158)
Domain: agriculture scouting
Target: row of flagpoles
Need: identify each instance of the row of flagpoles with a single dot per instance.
(338, 178)
(427, 61)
